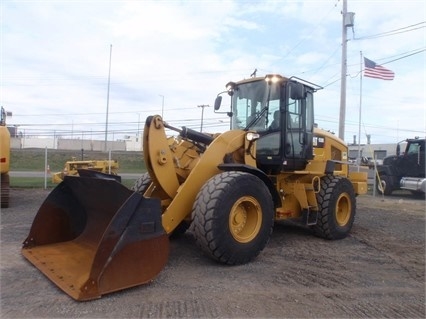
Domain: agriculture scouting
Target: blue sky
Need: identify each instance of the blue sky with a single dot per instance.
(55, 62)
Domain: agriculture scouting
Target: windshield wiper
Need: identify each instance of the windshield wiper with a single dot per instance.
(258, 117)
(261, 113)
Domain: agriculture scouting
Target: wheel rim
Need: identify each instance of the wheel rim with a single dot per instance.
(343, 209)
(383, 184)
(245, 219)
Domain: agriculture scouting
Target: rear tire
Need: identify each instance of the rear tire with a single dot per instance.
(233, 217)
(417, 194)
(337, 207)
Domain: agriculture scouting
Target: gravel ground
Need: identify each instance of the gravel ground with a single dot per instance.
(378, 271)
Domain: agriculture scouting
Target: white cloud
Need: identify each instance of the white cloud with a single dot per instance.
(55, 58)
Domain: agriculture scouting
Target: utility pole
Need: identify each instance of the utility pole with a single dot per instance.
(342, 115)
(347, 21)
(162, 106)
(202, 115)
(107, 108)
(139, 119)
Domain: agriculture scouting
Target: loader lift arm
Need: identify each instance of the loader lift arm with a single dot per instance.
(161, 160)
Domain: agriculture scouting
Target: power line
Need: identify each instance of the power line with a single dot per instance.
(149, 111)
(387, 33)
(406, 55)
(392, 32)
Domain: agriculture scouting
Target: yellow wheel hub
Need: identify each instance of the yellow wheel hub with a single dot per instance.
(245, 219)
(343, 210)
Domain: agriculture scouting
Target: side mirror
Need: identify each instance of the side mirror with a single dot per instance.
(297, 90)
(217, 102)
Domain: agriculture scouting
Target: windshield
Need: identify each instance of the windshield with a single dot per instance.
(254, 105)
(413, 148)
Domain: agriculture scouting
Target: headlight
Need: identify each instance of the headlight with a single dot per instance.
(252, 136)
(273, 78)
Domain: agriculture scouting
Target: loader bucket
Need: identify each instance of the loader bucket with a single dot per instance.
(92, 236)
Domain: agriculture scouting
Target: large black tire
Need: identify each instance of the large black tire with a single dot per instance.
(141, 185)
(233, 217)
(337, 207)
(5, 190)
(418, 194)
(386, 185)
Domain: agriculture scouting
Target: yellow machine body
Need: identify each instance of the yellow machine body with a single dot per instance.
(179, 171)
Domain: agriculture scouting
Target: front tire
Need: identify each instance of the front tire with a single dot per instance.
(384, 185)
(142, 184)
(233, 217)
(337, 206)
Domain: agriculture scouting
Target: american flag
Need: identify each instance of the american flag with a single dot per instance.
(373, 70)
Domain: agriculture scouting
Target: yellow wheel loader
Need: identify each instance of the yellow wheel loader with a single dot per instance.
(72, 167)
(4, 160)
(92, 235)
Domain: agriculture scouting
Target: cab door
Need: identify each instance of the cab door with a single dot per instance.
(299, 125)
(413, 162)
(288, 147)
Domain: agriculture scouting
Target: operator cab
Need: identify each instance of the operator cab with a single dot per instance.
(412, 162)
(281, 111)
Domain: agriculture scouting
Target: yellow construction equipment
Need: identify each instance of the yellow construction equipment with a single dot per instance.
(4, 160)
(71, 168)
(93, 235)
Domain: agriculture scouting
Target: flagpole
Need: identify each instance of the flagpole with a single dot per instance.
(360, 105)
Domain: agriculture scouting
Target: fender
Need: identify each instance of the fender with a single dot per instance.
(388, 170)
(181, 203)
(257, 172)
